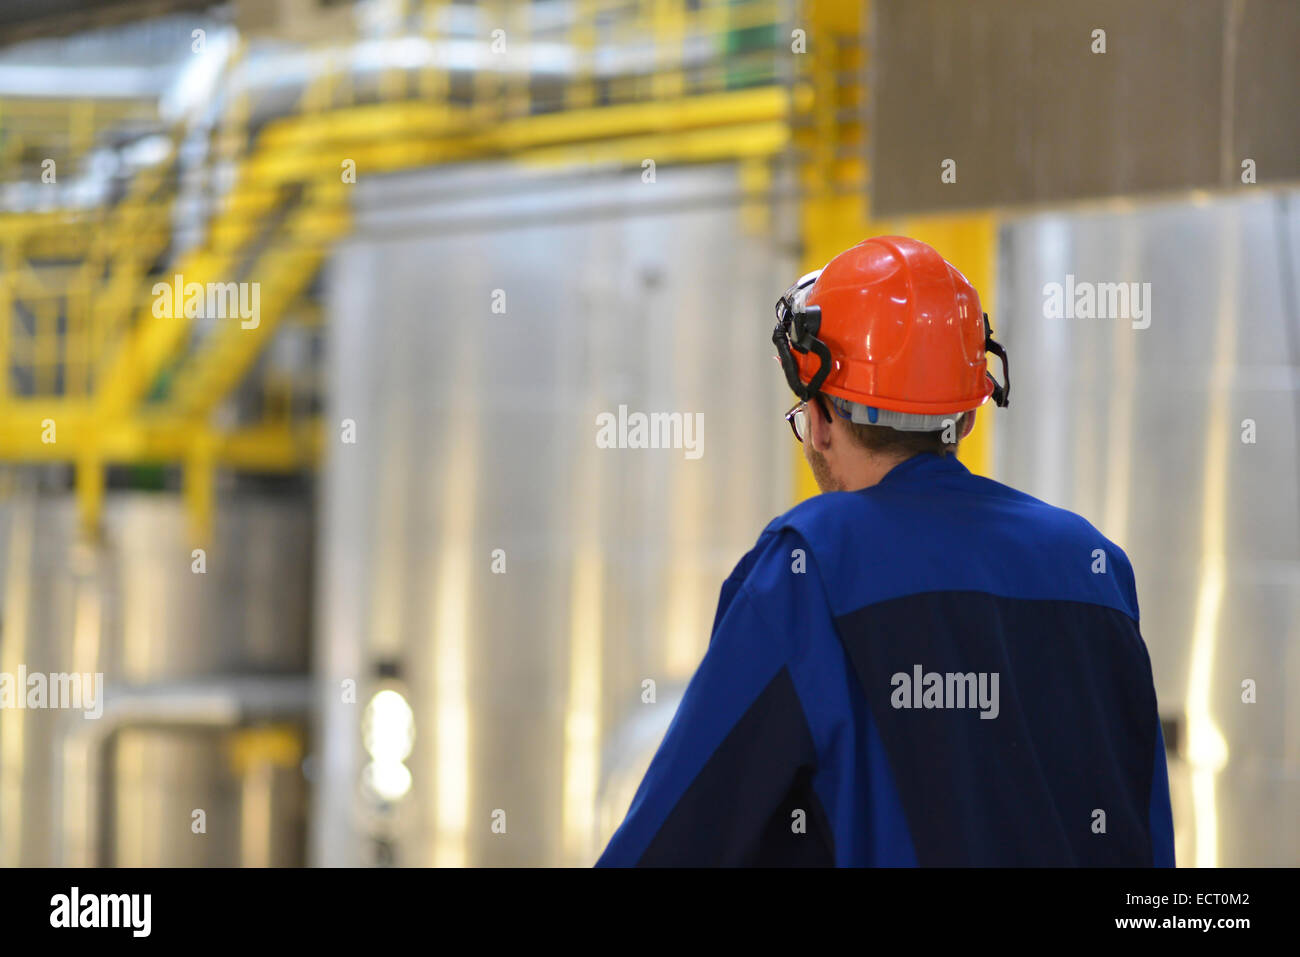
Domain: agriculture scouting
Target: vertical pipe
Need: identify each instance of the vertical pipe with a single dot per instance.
(13, 653)
(9, 259)
(433, 80)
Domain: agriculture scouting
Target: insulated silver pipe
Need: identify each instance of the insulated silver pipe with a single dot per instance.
(218, 703)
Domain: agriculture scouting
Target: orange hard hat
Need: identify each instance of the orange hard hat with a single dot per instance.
(889, 324)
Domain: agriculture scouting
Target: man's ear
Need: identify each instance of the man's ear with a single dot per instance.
(967, 423)
(819, 426)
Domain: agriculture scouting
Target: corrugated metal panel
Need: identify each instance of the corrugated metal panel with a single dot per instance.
(1014, 94)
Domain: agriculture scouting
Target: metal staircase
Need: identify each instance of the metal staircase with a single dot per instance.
(93, 373)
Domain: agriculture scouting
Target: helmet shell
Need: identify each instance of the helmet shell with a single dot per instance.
(904, 327)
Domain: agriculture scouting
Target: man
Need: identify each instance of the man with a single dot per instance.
(919, 666)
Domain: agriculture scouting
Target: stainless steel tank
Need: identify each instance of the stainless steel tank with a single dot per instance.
(203, 683)
(480, 553)
(1178, 435)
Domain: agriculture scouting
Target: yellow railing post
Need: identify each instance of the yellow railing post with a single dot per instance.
(8, 273)
(198, 484)
(89, 490)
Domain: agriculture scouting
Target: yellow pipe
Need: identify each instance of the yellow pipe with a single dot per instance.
(424, 122)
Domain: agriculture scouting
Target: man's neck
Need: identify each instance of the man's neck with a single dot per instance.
(870, 469)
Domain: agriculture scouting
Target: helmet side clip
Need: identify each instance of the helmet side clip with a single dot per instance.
(796, 331)
(1001, 390)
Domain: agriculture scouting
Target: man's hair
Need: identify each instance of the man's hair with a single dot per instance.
(882, 439)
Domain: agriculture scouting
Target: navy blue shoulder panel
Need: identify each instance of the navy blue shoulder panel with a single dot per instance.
(1020, 732)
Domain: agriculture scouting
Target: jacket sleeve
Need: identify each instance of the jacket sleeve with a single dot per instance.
(734, 769)
(1161, 817)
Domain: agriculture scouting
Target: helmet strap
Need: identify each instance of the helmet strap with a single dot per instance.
(796, 331)
(1001, 390)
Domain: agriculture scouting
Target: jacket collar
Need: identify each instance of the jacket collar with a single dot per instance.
(922, 465)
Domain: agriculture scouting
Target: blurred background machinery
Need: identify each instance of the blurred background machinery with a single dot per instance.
(363, 587)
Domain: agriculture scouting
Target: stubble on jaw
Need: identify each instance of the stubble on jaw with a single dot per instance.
(822, 473)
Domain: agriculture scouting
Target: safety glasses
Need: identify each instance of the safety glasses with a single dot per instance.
(798, 418)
